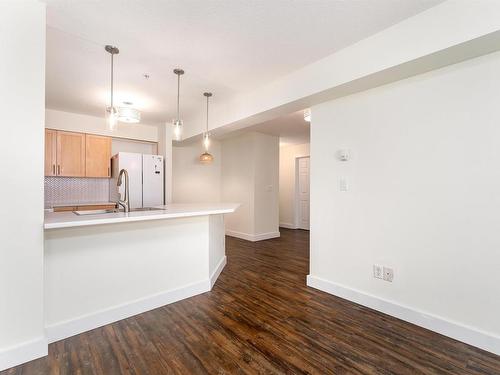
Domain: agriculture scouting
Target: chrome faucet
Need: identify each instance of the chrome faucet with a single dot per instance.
(125, 203)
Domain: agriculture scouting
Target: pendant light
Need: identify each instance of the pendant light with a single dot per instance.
(307, 115)
(111, 111)
(127, 113)
(206, 157)
(177, 122)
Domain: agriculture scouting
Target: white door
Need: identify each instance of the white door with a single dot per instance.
(152, 180)
(303, 193)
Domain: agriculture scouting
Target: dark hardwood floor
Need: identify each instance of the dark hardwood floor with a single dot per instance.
(260, 318)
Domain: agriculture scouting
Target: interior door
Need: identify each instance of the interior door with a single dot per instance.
(303, 193)
(97, 156)
(70, 154)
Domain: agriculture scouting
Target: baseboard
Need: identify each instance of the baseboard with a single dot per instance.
(457, 331)
(84, 323)
(252, 237)
(288, 226)
(24, 352)
(215, 275)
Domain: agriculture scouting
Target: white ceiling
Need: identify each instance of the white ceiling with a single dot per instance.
(292, 129)
(225, 46)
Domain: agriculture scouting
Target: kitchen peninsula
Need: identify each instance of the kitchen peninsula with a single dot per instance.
(106, 267)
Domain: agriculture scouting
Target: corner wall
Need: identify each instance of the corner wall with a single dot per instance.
(423, 198)
(22, 73)
(250, 176)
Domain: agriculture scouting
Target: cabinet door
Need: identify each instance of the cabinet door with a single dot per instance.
(70, 154)
(50, 152)
(97, 156)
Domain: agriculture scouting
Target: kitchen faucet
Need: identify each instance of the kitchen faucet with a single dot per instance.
(125, 203)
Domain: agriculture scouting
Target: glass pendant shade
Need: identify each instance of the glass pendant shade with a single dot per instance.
(206, 158)
(206, 141)
(129, 114)
(112, 117)
(177, 125)
(307, 115)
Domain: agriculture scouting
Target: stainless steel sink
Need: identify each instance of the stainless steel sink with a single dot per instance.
(95, 212)
(146, 209)
(99, 212)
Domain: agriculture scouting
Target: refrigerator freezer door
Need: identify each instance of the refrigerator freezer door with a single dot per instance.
(152, 180)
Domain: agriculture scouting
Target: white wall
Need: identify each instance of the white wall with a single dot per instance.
(424, 198)
(192, 181)
(288, 156)
(238, 182)
(250, 176)
(96, 125)
(22, 93)
(129, 145)
(266, 185)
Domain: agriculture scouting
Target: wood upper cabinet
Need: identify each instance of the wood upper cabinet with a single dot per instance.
(73, 154)
(50, 152)
(70, 154)
(97, 156)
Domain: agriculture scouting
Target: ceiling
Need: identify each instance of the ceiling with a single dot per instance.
(292, 129)
(225, 46)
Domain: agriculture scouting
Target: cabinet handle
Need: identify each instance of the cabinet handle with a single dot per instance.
(58, 169)
(109, 173)
(53, 169)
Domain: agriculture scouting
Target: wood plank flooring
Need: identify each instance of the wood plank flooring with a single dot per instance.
(260, 318)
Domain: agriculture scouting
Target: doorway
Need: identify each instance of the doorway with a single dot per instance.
(302, 204)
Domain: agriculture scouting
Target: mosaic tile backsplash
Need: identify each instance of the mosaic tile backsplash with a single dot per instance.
(70, 190)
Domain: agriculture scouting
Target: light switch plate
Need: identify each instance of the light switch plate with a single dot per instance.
(343, 184)
(378, 271)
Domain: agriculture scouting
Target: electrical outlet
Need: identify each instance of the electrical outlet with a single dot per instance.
(377, 271)
(388, 274)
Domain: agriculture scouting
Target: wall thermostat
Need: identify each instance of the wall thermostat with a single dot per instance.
(343, 155)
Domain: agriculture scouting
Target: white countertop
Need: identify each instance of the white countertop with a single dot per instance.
(55, 220)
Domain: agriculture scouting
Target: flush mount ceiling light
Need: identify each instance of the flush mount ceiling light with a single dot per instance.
(307, 115)
(177, 122)
(129, 114)
(112, 111)
(206, 157)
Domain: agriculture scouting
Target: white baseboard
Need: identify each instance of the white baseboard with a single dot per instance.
(84, 323)
(457, 331)
(24, 352)
(215, 275)
(252, 237)
(288, 226)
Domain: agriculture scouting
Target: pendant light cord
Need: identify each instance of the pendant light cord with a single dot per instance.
(178, 94)
(111, 108)
(207, 114)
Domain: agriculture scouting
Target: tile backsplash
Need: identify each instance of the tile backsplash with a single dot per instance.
(71, 190)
